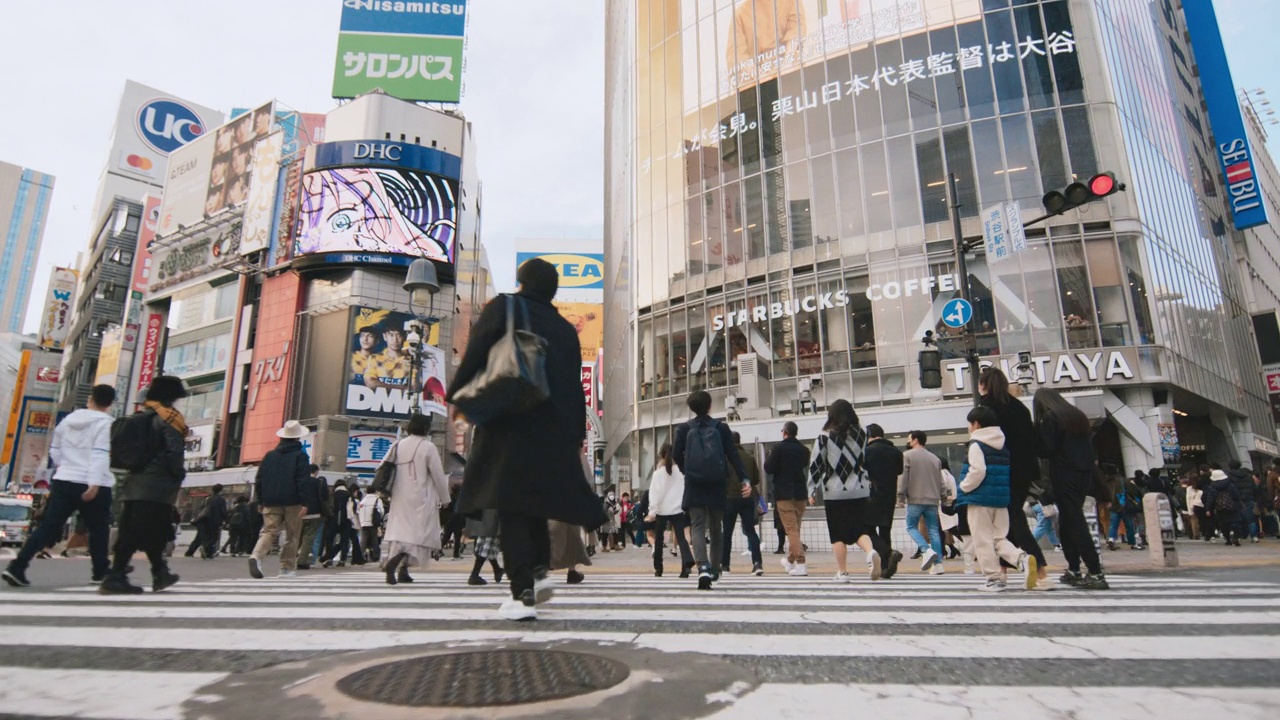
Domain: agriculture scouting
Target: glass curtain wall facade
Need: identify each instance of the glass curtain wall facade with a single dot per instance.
(780, 173)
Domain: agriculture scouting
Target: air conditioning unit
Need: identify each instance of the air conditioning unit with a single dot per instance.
(754, 390)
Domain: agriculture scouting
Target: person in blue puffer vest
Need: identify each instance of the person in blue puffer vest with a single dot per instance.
(984, 491)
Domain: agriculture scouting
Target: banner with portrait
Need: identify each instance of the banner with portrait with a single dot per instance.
(379, 379)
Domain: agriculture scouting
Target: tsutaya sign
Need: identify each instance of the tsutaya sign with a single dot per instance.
(761, 313)
(1076, 367)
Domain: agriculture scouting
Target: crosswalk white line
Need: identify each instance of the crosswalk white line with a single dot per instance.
(40, 692)
(779, 701)
(1096, 647)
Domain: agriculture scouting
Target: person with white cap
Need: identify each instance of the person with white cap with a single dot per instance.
(281, 487)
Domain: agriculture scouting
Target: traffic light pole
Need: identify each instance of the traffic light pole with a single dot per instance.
(962, 267)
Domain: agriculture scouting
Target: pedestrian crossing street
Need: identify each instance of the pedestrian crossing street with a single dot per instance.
(914, 646)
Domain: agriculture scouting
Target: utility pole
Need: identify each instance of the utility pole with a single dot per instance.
(962, 267)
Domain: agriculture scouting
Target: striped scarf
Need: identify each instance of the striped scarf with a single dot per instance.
(169, 415)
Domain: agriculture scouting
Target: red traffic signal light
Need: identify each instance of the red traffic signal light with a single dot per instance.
(1077, 194)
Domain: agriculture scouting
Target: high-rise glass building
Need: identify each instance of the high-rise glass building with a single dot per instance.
(779, 234)
(24, 206)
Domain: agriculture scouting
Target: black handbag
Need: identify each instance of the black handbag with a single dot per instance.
(515, 378)
(384, 477)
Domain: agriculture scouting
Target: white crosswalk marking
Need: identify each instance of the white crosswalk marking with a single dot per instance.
(1068, 638)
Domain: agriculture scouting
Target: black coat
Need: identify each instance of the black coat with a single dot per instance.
(788, 463)
(883, 461)
(283, 475)
(1021, 440)
(1226, 487)
(162, 477)
(1243, 481)
(531, 463)
(214, 512)
(315, 492)
(1071, 459)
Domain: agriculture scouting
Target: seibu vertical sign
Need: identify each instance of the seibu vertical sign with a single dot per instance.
(1244, 196)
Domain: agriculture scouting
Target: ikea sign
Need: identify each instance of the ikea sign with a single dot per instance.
(578, 271)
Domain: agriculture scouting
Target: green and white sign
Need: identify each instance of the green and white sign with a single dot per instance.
(410, 67)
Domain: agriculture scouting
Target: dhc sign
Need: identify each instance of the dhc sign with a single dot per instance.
(1243, 193)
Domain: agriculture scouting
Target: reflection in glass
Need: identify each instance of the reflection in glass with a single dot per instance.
(824, 200)
(1076, 295)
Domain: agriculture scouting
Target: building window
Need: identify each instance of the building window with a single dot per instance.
(1076, 295)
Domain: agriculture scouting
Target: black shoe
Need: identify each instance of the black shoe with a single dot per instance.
(574, 577)
(891, 566)
(16, 578)
(1072, 579)
(255, 568)
(527, 598)
(304, 566)
(499, 574)
(163, 581)
(118, 585)
(918, 554)
(477, 581)
(1094, 582)
(779, 551)
(391, 569)
(342, 563)
(705, 578)
(684, 574)
(757, 570)
(657, 573)
(403, 576)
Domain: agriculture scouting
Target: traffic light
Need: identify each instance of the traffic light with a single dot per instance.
(1078, 193)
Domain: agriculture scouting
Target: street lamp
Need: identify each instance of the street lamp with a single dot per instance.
(422, 284)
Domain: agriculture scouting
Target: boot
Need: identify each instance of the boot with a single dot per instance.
(403, 575)
(162, 579)
(475, 578)
(392, 565)
(116, 584)
(498, 572)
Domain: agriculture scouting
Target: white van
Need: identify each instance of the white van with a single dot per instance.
(15, 519)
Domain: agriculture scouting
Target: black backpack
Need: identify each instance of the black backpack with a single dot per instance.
(1224, 504)
(131, 441)
(704, 460)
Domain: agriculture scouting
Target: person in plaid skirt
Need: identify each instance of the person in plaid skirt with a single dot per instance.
(485, 531)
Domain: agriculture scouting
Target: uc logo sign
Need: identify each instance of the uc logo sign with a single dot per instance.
(166, 125)
(576, 271)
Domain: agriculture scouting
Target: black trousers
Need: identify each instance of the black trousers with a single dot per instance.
(777, 527)
(1020, 531)
(526, 547)
(145, 526)
(884, 531)
(678, 523)
(65, 499)
(1073, 529)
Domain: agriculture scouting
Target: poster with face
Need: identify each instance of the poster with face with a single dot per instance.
(378, 210)
(378, 382)
(229, 174)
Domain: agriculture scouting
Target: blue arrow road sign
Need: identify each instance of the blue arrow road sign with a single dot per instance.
(957, 313)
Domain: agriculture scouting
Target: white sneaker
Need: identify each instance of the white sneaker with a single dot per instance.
(993, 586)
(798, 570)
(517, 610)
(938, 570)
(786, 566)
(968, 570)
(1027, 564)
(543, 590)
(873, 565)
(286, 574)
(930, 557)
(842, 577)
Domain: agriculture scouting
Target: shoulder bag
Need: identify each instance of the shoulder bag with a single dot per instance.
(384, 477)
(515, 378)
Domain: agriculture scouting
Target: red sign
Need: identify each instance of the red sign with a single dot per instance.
(589, 384)
(150, 350)
(266, 405)
(1273, 382)
(147, 233)
(49, 375)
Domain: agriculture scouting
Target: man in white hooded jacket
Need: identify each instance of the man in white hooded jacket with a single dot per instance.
(82, 483)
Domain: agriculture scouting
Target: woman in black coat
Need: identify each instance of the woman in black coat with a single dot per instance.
(527, 465)
(1023, 443)
(1066, 443)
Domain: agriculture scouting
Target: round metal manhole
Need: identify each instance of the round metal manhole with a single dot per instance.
(484, 678)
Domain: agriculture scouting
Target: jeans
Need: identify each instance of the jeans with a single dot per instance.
(744, 508)
(370, 542)
(526, 547)
(1044, 526)
(701, 522)
(1130, 524)
(1077, 541)
(678, 523)
(64, 499)
(347, 537)
(930, 515)
(1019, 530)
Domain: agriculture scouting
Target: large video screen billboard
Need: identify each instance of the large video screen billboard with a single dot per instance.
(377, 377)
(377, 210)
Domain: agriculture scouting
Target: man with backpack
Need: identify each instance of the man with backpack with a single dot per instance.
(150, 446)
(82, 483)
(704, 450)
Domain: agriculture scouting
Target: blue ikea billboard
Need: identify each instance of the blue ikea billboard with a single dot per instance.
(1231, 144)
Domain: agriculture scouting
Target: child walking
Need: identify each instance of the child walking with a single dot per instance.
(984, 491)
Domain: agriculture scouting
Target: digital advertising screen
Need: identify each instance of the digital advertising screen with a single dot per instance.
(378, 374)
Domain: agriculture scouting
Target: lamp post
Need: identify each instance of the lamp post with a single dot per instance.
(421, 283)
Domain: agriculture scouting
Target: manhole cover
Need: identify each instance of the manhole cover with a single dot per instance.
(485, 678)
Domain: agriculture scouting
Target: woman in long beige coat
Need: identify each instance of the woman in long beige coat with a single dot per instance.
(568, 548)
(421, 488)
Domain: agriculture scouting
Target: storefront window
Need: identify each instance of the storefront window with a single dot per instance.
(781, 334)
(1108, 292)
(861, 325)
(679, 354)
(662, 357)
(718, 345)
(1076, 295)
(645, 369)
(698, 348)
(1136, 280)
(808, 334)
(204, 403)
(1044, 309)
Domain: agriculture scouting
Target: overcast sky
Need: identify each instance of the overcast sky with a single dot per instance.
(534, 92)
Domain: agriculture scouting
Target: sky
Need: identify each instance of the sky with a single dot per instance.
(534, 92)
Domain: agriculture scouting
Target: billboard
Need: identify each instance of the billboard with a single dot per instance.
(146, 233)
(367, 448)
(578, 271)
(588, 320)
(377, 381)
(231, 169)
(351, 212)
(29, 461)
(409, 50)
(264, 172)
(1244, 196)
(58, 304)
(150, 126)
(266, 403)
(186, 185)
(109, 356)
(15, 409)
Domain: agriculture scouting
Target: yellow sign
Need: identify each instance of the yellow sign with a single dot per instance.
(588, 320)
(15, 409)
(109, 356)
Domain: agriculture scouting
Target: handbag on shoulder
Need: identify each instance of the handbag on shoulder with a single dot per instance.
(515, 378)
(384, 477)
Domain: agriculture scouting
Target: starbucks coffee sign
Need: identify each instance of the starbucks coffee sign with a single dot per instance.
(1059, 369)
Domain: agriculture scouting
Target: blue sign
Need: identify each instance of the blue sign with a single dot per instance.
(386, 153)
(578, 271)
(167, 125)
(957, 313)
(1244, 196)
(440, 19)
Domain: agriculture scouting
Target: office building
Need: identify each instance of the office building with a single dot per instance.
(24, 206)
